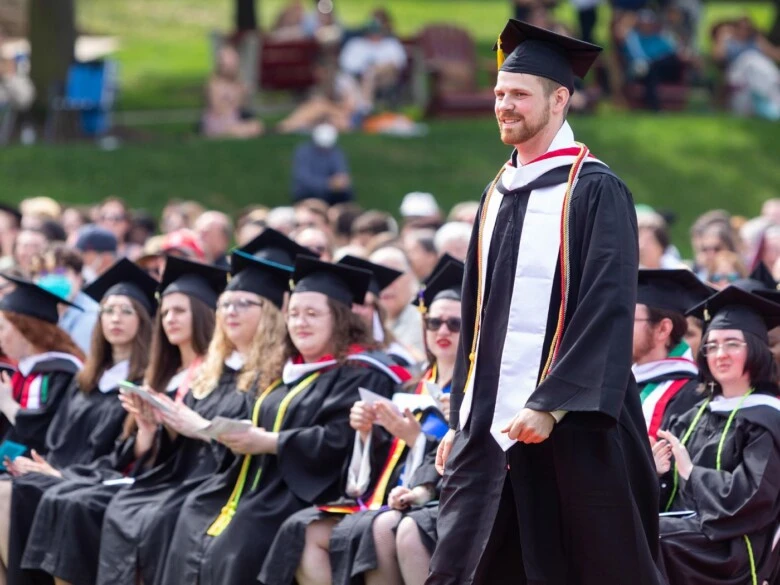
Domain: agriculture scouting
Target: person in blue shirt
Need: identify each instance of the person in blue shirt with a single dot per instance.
(320, 169)
(652, 56)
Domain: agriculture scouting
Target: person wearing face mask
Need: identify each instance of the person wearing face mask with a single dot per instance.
(60, 271)
(98, 248)
(320, 168)
(719, 462)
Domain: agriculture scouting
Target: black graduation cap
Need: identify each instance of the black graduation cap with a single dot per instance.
(202, 281)
(381, 276)
(274, 246)
(11, 210)
(32, 300)
(735, 308)
(125, 278)
(672, 290)
(262, 277)
(537, 51)
(342, 283)
(445, 282)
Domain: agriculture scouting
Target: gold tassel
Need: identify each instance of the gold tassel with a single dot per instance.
(500, 57)
(222, 521)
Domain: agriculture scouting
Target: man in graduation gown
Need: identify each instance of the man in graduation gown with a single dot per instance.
(549, 476)
(664, 366)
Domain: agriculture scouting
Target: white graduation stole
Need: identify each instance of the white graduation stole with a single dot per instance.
(534, 278)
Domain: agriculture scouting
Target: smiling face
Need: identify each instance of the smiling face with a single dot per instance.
(310, 324)
(442, 342)
(727, 362)
(119, 320)
(522, 107)
(176, 313)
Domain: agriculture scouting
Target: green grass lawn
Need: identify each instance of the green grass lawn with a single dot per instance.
(165, 53)
(685, 163)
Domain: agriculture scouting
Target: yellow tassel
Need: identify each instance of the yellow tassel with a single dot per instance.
(222, 521)
(500, 57)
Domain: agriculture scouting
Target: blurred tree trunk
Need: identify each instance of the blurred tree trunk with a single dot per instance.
(52, 26)
(246, 15)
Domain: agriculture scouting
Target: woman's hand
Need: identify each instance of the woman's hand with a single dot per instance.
(254, 441)
(361, 417)
(443, 451)
(24, 465)
(662, 455)
(681, 457)
(146, 417)
(8, 406)
(181, 418)
(406, 427)
(401, 498)
(445, 406)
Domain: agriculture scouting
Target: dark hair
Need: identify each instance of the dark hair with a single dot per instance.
(65, 256)
(53, 231)
(348, 330)
(100, 356)
(374, 222)
(759, 364)
(660, 233)
(345, 215)
(165, 357)
(679, 324)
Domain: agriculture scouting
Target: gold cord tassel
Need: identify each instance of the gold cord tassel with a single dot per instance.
(223, 520)
(500, 57)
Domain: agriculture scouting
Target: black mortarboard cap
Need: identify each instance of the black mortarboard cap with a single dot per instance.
(125, 278)
(735, 308)
(32, 300)
(671, 290)
(205, 282)
(537, 51)
(274, 246)
(262, 277)
(445, 282)
(342, 283)
(381, 276)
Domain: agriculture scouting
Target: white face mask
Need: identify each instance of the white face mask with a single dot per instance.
(325, 135)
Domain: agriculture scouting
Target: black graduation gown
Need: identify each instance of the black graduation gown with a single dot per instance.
(85, 428)
(741, 499)
(314, 444)
(32, 425)
(581, 507)
(139, 521)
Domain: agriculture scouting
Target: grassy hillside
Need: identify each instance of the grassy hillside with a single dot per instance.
(681, 162)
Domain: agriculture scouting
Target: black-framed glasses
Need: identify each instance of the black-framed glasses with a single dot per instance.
(239, 305)
(435, 323)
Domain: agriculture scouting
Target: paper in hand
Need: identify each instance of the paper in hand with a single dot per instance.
(221, 426)
(404, 400)
(11, 450)
(148, 397)
(371, 398)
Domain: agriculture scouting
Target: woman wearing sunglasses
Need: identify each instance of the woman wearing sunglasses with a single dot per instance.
(720, 462)
(389, 450)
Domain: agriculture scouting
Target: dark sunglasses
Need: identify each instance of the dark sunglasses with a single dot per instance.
(434, 324)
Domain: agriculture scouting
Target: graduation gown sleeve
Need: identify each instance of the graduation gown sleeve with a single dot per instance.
(32, 424)
(732, 503)
(592, 370)
(311, 458)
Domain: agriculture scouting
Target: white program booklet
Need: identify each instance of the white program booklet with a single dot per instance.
(221, 426)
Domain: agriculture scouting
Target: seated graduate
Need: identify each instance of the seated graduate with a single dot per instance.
(723, 482)
(139, 519)
(47, 360)
(664, 366)
(295, 452)
(373, 315)
(318, 545)
(90, 419)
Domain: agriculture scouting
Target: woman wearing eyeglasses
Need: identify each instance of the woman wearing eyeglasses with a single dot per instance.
(720, 463)
(90, 418)
(295, 452)
(332, 543)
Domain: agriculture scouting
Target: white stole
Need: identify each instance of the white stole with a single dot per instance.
(535, 275)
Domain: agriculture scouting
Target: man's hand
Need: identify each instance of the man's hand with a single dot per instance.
(443, 452)
(339, 182)
(530, 426)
